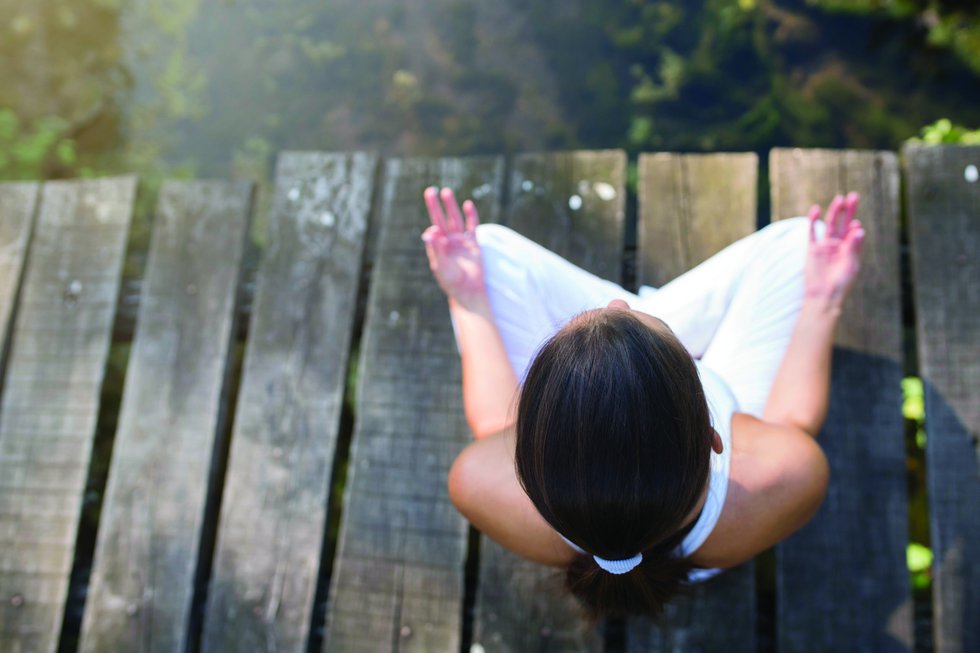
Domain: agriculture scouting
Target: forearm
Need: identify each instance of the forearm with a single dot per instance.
(489, 382)
(801, 389)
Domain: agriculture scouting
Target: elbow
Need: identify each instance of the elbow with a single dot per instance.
(482, 426)
(464, 479)
(811, 426)
(817, 475)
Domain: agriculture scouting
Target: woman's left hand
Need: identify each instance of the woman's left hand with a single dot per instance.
(450, 243)
(833, 262)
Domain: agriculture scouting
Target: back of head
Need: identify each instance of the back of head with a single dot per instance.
(613, 447)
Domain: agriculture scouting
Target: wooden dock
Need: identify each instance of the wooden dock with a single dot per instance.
(217, 529)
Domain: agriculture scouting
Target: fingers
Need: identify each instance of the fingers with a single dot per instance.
(431, 196)
(449, 220)
(430, 233)
(854, 238)
(813, 216)
(850, 208)
(833, 212)
(472, 219)
(455, 219)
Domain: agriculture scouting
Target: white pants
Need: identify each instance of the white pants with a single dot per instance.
(736, 311)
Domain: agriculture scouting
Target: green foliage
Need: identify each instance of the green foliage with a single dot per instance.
(27, 152)
(919, 560)
(949, 24)
(943, 131)
(218, 88)
(914, 407)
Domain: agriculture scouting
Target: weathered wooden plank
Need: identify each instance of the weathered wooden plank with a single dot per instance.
(398, 577)
(152, 516)
(17, 204)
(33, 574)
(285, 433)
(690, 207)
(853, 552)
(572, 203)
(943, 199)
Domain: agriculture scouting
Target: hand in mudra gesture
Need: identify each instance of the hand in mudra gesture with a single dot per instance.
(833, 262)
(450, 243)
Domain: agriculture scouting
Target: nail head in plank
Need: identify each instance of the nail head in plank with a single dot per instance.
(398, 577)
(943, 199)
(854, 549)
(152, 517)
(690, 207)
(284, 439)
(34, 601)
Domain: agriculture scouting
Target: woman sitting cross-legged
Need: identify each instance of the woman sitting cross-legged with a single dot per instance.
(642, 441)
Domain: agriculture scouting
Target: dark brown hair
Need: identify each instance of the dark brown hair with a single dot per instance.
(613, 448)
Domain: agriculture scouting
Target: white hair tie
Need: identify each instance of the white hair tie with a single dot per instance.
(612, 566)
(619, 566)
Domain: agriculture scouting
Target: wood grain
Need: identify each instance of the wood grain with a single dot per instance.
(572, 203)
(944, 232)
(274, 510)
(690, 207)
(853, 552)
(51, 398)
(521, 606)
(398, 577)
(152, 516)
(18, 202)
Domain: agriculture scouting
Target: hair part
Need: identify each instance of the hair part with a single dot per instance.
(613, 448)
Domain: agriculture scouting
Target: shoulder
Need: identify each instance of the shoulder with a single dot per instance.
(778, 480)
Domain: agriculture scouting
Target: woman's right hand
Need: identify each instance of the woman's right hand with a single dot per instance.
(450, 243)
(833, 262)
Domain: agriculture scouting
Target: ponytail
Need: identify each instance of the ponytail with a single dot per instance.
(644, 590)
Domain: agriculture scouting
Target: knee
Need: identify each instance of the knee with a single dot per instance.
(789, 237)
(497, 237)
(787, 226)
(507, 255)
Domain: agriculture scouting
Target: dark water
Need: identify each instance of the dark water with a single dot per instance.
(217, 88)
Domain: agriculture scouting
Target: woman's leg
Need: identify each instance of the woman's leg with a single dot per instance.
(696, 303)
(735, 311)
(533, 292)
(751, 339)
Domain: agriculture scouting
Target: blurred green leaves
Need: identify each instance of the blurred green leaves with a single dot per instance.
(949, 24)
(914, 407)
(26, 152)
(919, 560)
(943, 131)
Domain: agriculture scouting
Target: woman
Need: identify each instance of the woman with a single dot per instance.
(657, 438)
